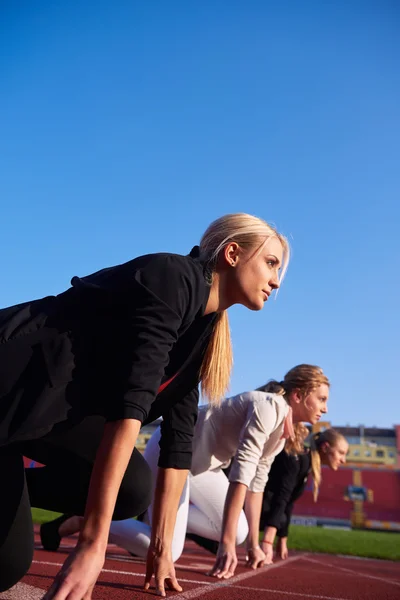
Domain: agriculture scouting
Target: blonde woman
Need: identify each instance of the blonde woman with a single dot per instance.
(247, 432)
(287, 481)
(80, 373)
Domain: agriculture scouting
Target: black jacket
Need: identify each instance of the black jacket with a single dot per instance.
(286, 483)
(104, 347)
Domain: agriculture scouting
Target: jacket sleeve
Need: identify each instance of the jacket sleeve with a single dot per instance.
(177, 430)
(283, 530)
(261, 421)
(164, 294)
(287, 478)
(260, 478)
(297, 492)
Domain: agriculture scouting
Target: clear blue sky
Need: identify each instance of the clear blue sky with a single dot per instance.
(127, 126)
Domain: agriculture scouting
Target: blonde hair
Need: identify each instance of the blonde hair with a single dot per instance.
(329, 436)
(249, 232)
(305, 378)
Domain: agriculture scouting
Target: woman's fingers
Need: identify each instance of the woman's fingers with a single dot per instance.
(173, 584)
(164, 574)
(89, 594)
(224, 567)
(51, 592)
(77, 577)
(65, 592)
(160, 589)
(284, 553)
(255, 558)
(218, 565)
(231, 569)
(60, 590)
(148, 576)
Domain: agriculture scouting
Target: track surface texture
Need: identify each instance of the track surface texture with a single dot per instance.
(303, 576)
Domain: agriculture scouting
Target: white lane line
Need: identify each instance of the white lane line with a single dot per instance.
(231, 582)
(138, 559)
(368, 558)
(271, 591)
(54, 564)
(204, 556)
(352, 572)
(204, 568)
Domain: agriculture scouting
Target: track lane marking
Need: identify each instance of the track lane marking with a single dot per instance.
(197, 592)
(54, 564)
(302, 594)
(384, 579)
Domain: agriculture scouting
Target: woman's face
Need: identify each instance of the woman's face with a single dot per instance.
(334, 456)
(315, 404)
(251, 275)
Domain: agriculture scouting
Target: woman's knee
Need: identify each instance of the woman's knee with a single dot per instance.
(16, 529)
(135, 493)
(14, 564)
(176, 552)
(242, 530)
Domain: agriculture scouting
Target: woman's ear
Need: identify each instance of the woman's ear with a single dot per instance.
(295, 396)
(231, 254)
(325, 447)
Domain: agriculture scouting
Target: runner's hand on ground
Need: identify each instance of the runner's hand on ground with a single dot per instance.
(162, 567)
(268, 550)
(282, 549)
(78, 575)
(255, 557)
(225, 563)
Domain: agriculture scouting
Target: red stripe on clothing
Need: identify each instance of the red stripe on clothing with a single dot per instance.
(164, 385)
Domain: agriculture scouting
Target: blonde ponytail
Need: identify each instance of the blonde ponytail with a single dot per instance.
(315, 467)
(217, 363)
(295, 445)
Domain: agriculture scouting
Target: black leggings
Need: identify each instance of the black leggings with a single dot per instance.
(62, 485)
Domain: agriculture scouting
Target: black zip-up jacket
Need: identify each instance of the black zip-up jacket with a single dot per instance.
(104, 347)
(287, 481)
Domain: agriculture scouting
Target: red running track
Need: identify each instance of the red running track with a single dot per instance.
(304, 576)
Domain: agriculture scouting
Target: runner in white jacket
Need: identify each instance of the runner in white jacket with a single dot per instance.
(248, 430)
